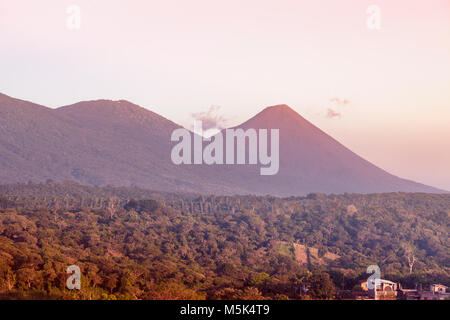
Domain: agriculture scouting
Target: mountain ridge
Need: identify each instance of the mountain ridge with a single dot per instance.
(100, 142)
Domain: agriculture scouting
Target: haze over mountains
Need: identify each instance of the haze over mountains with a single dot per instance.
(118, 143)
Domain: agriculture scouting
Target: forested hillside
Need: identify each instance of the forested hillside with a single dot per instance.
(137, 244)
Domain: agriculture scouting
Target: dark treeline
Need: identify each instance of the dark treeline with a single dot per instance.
(136, 244)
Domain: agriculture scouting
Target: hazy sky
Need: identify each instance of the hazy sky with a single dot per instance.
(383, 93)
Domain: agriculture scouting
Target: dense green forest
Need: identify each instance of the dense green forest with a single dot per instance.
(132, 243)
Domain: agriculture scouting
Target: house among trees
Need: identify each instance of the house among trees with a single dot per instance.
(436, 292)
(388, 290)
(382, 290)
(438, 288)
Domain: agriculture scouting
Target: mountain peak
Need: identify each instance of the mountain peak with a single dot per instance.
(100, 109)
(280, 110)
(277, 116)
(103, 104)
(279, 107)
(115, 114)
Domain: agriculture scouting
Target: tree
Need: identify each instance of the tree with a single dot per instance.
(110, 282)
(409, 253)
(259, 279)
(251, 293)
(320, 286)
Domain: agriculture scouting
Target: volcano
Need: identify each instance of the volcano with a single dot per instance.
(313, 161)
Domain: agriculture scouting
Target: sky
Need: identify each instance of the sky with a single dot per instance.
(377, 82)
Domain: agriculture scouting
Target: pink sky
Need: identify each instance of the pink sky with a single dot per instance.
(181, 57)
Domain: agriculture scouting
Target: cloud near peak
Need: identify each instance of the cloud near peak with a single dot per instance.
(339, 101)
(211, 119)
(336, 107)
(332, 114)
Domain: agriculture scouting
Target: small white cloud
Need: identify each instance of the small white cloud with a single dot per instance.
(340, 102)
(211, 119)
(332, 114)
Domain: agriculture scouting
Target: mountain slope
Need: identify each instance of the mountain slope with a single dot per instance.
(311, 160)
(33, 141)
(118, 143)
(95, 142)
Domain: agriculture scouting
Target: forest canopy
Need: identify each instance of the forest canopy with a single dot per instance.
(135, 244)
